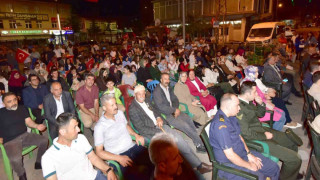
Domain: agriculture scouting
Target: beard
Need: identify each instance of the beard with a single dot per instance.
(13, 108)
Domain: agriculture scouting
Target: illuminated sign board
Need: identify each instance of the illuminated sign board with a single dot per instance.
(23, 32)
(24, 16)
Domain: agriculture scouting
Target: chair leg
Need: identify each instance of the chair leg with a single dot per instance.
(308, 174)
(6, 163)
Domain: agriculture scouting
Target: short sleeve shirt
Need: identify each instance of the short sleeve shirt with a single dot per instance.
(225, 134)
(69, 163)
(113, 134)
(86, 97)
(129, 79)
(12, 123)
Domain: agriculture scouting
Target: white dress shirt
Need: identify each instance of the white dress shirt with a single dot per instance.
(59, 104)
(148, 111)
(166, 92)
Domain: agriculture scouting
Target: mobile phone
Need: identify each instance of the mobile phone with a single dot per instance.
(199, 103)
(285, 80)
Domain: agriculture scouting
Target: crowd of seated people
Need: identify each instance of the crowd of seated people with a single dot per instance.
(72, 85)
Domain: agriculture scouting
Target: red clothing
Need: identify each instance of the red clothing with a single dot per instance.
(86, 97)
(209, 101)
(13, 82)
(89, 64)
(51, 64)
(184, 68)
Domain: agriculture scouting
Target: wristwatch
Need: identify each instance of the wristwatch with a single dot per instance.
(110, 169)
(249, 152)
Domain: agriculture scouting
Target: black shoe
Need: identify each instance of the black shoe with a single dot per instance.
(196, 124)
(288, 103)
(37, 165)
(23, 177)
(201, 149)
(300, 176)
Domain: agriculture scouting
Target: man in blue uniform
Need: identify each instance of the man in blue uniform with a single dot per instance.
(229, 147)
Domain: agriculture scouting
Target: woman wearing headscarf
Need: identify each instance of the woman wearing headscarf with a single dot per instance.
(241, 61)
(181, 90)
(16, 82)
(143, 74)
(279, 116)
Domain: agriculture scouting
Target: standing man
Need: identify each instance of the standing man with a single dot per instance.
(71, 157)
(33, 97)
(229, 147)
(56, 103)
(14, 135)
(87, 98)
(280, 145)
(168, 104)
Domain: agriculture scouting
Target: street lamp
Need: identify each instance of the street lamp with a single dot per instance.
(280, 5)
(59, 24)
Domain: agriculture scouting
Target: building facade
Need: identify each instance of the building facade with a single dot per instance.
(27, 19)
(238, 15)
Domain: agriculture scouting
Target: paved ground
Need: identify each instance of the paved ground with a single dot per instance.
(295, 111)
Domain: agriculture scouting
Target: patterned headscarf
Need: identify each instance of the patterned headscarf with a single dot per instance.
(250, 73)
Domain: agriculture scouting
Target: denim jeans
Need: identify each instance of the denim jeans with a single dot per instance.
(278, 125)
(100, 176)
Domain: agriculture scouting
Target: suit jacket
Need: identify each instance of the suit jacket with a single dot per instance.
(270, 75)
(30, 96)
(222, 75)
(250, 125)
(161, 102)
(50, 106)
(141, 121)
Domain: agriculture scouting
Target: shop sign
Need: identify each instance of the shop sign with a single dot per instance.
(57, 32)
(23, 32)
(24, 16)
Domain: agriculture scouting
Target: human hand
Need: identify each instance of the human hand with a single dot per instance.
(41, 127)
(229, 76)
(258, 100)
(40, 106)
(252, 166)
(124, 161)
(195, 102)
(159, 122)
(177, 113)
(139, 139)
(257, 161)
(111, 175)
(1, 140)
(268, 135)
(270, 106)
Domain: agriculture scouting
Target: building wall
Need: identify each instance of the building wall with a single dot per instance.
(42, 16)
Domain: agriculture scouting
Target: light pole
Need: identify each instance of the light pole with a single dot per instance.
(59, 24)
(183, 21)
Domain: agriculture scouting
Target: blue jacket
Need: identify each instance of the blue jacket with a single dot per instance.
(31, 99)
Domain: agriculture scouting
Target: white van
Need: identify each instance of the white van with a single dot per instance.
(266, 32)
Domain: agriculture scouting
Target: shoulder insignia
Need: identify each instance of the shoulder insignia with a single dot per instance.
(239, 116)
(222, 126)
(221, 118)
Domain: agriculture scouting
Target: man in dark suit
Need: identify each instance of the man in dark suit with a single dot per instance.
(55, 103)
(168, 104)
(147, 120)
(33, 97)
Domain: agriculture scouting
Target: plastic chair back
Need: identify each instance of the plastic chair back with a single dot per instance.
(127, 98)
(316, 142)
(152, 85)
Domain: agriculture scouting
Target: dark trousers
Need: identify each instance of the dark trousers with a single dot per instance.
(269, 169)
(184, 123)
(53, 131)
(142, 167)
(37, 113)
(278, 102)
(15, 146)
(283, 148)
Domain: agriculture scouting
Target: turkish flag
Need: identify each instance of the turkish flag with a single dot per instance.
(21, 55)
(89, 64)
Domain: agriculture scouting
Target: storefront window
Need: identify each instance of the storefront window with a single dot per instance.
(39, 24)
(1, 24)
(13, 24)
(54, 24)
(28, 25)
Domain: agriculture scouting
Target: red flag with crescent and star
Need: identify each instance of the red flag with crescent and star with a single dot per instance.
(21, 55)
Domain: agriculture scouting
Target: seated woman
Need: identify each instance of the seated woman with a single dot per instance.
(154, 70)
(129, 78)
(115, 75)
(196, 88)
(101, 79)
(143, 74)
(241, 61)
(251, 73)
(111, 89)
(181, 90)
(16, 82)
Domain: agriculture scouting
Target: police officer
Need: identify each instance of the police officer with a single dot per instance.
(229, 147)
(282, 145)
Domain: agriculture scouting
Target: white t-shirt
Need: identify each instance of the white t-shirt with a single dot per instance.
(69, 163)
(113, 134)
